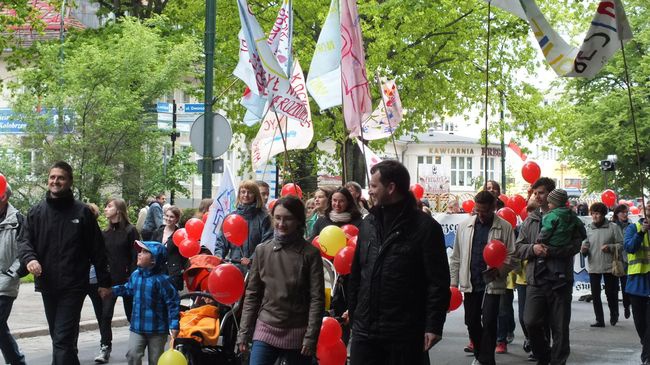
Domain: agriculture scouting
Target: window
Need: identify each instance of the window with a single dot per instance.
(490, 167)
(461, 171)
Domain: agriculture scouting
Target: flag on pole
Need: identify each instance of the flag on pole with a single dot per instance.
(384, 120)
(517, 150)
(371, 158)
(223, 204)
(298, 134)
(511, 6)
(354, 82)
(609, 27)
(324, 79)
(271, 74)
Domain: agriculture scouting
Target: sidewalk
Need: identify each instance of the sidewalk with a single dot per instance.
(27, 317)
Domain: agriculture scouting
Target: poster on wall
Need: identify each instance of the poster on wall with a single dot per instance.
(432, 177)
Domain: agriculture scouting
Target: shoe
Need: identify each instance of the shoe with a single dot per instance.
(502, 348)
(469, 347)
(510, 337)
(613, 320)
(104, 354)
(532, 358)
(597, 324)
(627, 312)
(527, 347)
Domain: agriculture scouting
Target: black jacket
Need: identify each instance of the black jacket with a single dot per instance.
(63, 235)
(175, 261)
(399, 284)
(119, 240)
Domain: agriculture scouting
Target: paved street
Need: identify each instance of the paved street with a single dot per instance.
(609, 345)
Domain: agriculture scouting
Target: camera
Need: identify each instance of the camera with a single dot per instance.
(607, 165)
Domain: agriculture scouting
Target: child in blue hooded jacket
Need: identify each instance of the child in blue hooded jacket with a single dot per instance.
(155, 304)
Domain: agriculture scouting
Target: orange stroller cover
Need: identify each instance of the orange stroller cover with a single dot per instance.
(201, 324)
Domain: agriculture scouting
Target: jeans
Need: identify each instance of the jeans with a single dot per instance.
(8, 345)
(63, 312)
(641, 316)
(549, 306)
(155, 344)
(264, 354)
(365, 351)
(481, 312)
(104, 310)
(521, 304)
(611, 292)
(506, 319)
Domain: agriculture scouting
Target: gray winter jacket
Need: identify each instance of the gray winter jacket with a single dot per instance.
(9, 263)
(608, 234)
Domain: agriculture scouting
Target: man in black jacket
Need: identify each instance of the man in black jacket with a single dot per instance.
(399, 284)
(59, 241)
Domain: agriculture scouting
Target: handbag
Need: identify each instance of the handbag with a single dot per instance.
(617, 265)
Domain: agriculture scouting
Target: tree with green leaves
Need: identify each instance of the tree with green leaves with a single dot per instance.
(103, 86)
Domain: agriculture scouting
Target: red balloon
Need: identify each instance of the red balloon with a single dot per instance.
(194, 228)
(629, 203)
(204, 217)
(343, 260)
(504, 199)
(316, 243)
(524, 213)
(189, 248)
(330, 332)
(418, 191)
(335, 354)
(516, 203)
(235, 229)
(350, 230)
(622, 202)
(509, 215)
(352, 241)
(608, 198)
(3, 185)
(272, 204)
(495, 253)
(634, 210)
(178, 236)
(456, 299)
(226, 284)
(291, 189)
(468, 206)
(531, 172)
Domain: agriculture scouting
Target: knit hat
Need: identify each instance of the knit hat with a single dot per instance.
(558, 197)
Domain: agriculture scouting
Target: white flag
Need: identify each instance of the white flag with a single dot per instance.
(371, 158)
(223, 204)
(384, 120)
(298, 134)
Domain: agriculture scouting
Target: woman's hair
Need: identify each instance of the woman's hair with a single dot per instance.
(619, 209)
(295, 207)
(120, 206)
(351, 208)
(327, 191)
(175, 211)
(309, 201)
(204, 205)
(251, 186)
(598, 207)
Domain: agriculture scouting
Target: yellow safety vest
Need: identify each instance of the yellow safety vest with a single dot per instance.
(639, 262)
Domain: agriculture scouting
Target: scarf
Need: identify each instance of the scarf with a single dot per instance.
(248, 211)
(344, 217)
(287, 239)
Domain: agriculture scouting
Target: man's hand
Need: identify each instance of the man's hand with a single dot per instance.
(35, 268)
(243, 347)
(430, 339)
(346, 317)
(306, 351)
(540, 249)
(645, 226)
(105, 293)
(605, 248)
(245, 261)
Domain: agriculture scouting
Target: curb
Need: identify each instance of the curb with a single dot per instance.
(89, 325)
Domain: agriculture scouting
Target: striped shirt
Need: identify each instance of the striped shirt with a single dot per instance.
(283, 338)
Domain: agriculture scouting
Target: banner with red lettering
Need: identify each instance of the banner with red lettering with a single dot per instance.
(354, 82)
(298, 133)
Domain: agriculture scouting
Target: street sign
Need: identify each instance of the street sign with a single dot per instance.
(181, 108)
(221, 135)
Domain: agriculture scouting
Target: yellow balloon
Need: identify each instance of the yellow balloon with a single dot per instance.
(172, 357)
(332, 239)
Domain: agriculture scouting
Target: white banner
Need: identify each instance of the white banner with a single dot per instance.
(384, 120)
(298, 134)
(223, 204)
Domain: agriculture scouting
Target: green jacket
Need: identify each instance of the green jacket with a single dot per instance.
(558, 226)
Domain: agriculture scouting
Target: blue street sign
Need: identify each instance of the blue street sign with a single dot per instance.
(191, 108)
(8, 126)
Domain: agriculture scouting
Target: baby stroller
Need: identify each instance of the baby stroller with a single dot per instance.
(208, 330)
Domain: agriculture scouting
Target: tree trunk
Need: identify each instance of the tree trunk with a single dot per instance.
(355, 164)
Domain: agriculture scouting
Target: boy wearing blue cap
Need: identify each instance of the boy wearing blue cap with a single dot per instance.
(155, 304)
